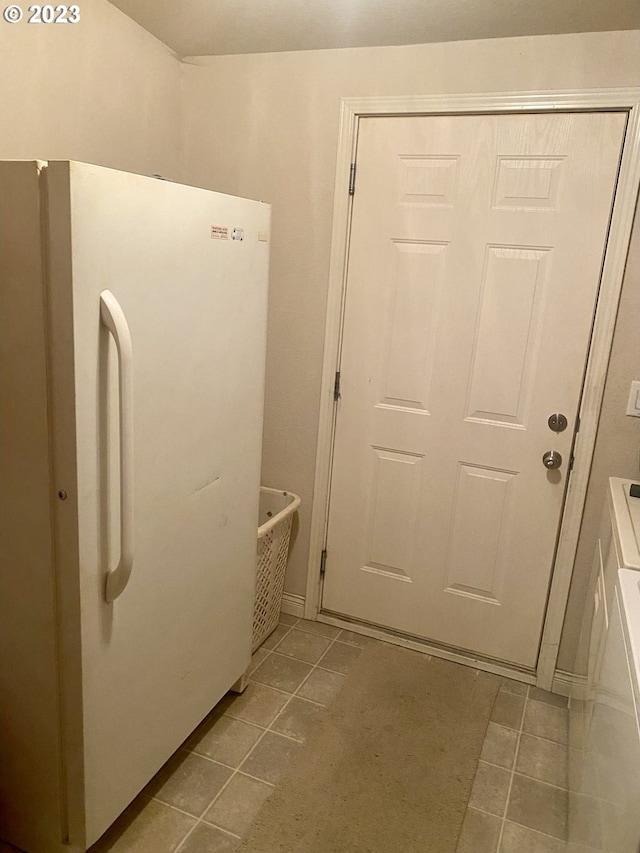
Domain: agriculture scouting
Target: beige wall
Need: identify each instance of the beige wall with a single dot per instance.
(102, 91)
(266, 126)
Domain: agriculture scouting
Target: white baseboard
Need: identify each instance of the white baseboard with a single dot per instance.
(293, 605)
(569, 684)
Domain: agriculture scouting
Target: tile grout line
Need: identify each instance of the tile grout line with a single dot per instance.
(305, 679)
(276, 690)
(238, 769)
(200, 819)
(332, 641)
(513, 771)
(235, 771)
(536, 737)
(192, 829)
(314, 666)
(269, 728)
(197, 820)
(523, 825)
(525, 775)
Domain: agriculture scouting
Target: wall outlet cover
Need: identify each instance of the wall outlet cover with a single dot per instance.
(633, 404)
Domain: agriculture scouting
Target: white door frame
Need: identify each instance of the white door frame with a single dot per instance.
(593, 100)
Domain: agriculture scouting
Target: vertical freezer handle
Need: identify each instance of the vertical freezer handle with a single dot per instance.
(113, 318)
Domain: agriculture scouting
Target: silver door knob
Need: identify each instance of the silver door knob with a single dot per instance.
(552, 459)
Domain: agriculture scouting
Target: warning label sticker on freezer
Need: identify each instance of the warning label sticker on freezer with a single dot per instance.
(219, 232)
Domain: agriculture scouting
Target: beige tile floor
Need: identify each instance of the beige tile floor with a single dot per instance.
(208, 794)
(519, 799)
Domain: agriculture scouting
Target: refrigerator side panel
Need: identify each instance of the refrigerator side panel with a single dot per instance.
(61, 351)
(31, 790)
(187, 269)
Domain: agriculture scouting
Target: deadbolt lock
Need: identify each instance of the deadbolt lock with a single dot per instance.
(557, 422)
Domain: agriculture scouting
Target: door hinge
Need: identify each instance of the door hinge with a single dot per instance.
(336, 387)
(323, 561)
(578, 423)
(571, 461)
(352, 179)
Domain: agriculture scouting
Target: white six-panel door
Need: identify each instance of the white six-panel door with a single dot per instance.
(474, 261)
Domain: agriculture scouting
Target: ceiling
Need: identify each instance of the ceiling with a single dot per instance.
(215, 27)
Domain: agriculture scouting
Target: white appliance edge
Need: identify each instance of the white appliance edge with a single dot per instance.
(604, 730)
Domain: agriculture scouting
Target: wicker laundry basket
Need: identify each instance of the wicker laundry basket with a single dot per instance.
(275, 517)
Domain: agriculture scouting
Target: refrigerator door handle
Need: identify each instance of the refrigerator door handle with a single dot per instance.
(113, 318)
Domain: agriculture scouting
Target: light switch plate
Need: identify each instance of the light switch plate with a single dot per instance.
(633, 404)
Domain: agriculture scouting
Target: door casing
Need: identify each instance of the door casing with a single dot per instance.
(594, 100)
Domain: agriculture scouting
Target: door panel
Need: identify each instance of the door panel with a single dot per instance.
(511, 302)
(474, 261)
(417, 282)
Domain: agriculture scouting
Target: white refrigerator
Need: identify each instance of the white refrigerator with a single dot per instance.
(133, 346)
